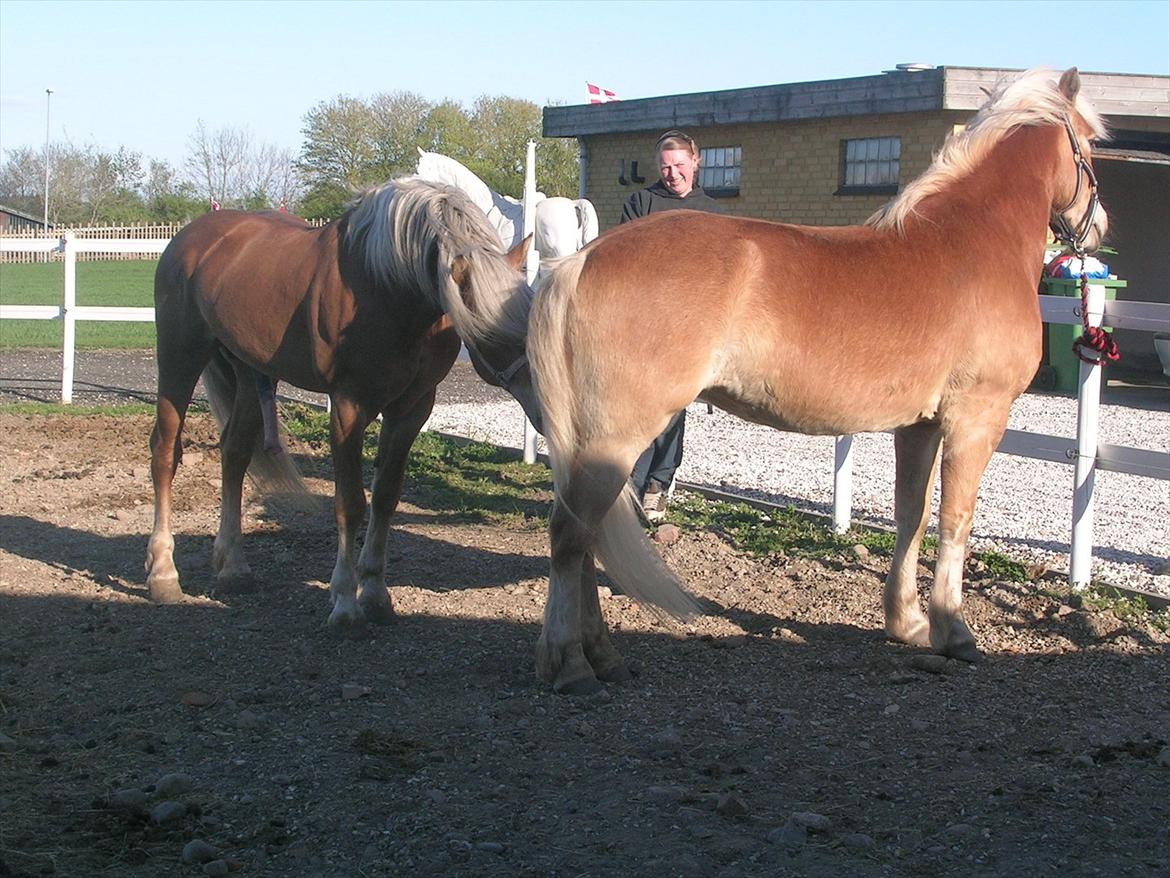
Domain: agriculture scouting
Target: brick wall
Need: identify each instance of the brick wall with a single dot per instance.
(790, 171)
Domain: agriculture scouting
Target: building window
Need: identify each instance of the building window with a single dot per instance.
(719, 170)
(870, 165)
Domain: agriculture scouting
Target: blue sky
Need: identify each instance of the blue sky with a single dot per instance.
(142, 74)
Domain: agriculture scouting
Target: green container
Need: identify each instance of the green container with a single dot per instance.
(1059, 337)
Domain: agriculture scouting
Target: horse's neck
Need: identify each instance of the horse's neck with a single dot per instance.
(1004, 203)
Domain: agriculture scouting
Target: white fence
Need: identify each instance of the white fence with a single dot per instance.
(1084, 452)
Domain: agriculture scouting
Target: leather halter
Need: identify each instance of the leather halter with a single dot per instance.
(1066, 233)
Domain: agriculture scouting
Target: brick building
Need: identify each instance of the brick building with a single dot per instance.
(832, 152)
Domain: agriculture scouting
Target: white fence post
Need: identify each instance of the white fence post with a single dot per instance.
(531, 264)
(842, 483)
(1080, 572)
(69, 316)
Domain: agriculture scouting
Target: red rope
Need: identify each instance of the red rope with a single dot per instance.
(1093, 337)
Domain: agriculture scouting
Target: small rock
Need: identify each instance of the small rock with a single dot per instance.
(732, 804)
(247, 720)
(789, 636)
(192, 457)
(891, 709)
(811, 821)
(667, 534)
(437, 796)
(123, 515)
(932, 664)
(6, 743)
(666, 793)
(858, 841)
(860, 551)
(491, 847)
(1084, 759)
(668, 737)
(167, 812)
(131, 800)
(732, 641)
(959, 830)
(1164, 757)
(216, 868)
(604, 592)
(199, 851)
(791, 834)
(171, 786)
(352, 691)
(198, 699)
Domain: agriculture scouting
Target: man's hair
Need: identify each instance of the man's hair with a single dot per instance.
(675, 139)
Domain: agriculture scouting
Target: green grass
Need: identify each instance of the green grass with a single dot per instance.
(128, 283)
(467, 481)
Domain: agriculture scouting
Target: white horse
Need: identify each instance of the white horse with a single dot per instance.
(563, 225)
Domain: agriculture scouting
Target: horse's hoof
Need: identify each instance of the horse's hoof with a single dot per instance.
(237, 582)
(378, 609)
(580, 686)
(965, 651)
(619, 672)
(348, 625)
(165, 589)
(914, 633)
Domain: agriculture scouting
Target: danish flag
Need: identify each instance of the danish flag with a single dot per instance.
(599, 95)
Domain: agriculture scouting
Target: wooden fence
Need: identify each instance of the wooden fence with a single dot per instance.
(134, 232)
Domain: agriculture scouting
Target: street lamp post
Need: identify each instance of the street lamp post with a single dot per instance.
(48, 98)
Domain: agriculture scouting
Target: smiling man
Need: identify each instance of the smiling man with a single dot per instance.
(677, 189)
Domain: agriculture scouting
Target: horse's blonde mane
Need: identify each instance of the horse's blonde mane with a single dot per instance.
(409, 231)
(1031, 99)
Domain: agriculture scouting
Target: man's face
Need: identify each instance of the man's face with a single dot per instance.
(678, 168)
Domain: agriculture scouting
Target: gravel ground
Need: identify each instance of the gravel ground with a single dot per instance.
(1024, 510)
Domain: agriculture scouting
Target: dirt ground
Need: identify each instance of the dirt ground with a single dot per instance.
(779, 735)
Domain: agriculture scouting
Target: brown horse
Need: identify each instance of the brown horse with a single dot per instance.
(924, 321)
(369, 309)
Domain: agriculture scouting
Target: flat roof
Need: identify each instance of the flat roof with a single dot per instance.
(895, 91)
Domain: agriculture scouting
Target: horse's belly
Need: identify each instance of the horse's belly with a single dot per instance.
(825, 410)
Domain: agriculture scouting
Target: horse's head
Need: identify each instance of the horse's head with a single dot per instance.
(501, 359)
(1078, 219)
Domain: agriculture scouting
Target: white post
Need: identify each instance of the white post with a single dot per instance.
(532, 264)
(1080, 572)
(67, 315)
(842, 483)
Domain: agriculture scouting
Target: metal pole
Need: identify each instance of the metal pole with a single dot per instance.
(1080, 568)
(842, 483)
(532, 263)
(45, 227)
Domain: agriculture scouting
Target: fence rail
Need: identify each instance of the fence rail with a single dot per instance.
(1084, 453)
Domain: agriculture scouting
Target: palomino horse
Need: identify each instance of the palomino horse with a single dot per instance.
(369, 309)
(924, 321)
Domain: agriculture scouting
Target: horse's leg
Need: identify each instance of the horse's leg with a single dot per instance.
(593, 485)
(604, 658)
(347, 425)
(180, 360)
(916, 456)
(971, 434)
(237, 443)
(399, 429)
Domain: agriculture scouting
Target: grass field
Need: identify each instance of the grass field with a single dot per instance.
(124, 284)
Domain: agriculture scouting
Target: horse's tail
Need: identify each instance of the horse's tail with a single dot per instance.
(433, 239)
(619, 541)
(273, 472)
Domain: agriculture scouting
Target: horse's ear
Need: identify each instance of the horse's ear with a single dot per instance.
(421, 151)
(519, 253)
(1070, 84)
